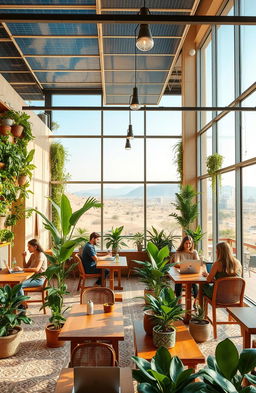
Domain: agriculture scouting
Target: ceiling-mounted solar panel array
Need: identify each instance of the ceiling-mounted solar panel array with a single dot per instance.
(67, 55)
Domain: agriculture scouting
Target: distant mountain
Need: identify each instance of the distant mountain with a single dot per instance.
(108, 192)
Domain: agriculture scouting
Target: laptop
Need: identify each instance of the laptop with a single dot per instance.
(10, 270)
(96, 379)
(190, 266)
(107, 258)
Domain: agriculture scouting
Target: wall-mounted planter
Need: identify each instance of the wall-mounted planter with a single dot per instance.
(6, 122)
(17, 130)
(22, 180)
(5, 130)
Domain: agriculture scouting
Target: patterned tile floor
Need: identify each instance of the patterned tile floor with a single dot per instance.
(35, 368)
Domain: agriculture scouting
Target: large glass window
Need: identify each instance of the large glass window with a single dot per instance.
(207, 219)
(206, 79)
(226, 138)
(248, 129)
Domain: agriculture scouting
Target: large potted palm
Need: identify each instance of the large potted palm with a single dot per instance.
(11, 319)
(64, 244)
(114, 239)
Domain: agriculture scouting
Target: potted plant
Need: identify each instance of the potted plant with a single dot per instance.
(186, 206)
(214, 164)
(114, 239)
(196, 235)
(6, 236)
(166, 310)
(199, 326)
(138, 240)
(153, 272)
(161, 239)
(64, 244)
(178, 160)
(11, 319)
(164, 374)
(22, 126)
(228, 371)
(6, 120)
(26, 168)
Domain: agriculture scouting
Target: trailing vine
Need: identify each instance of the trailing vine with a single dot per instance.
(214, 164)
(178, 160)
(58, 155)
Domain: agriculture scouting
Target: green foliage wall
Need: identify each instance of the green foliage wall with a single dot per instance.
(58, 157)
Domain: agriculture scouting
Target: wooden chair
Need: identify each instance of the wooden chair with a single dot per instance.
(93, 354)
(41, 289)
(82, 274)
(98, 295)
(227, 292)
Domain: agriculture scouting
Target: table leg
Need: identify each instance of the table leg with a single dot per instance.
(111, 279)
(188, 302)
(119, 286)
(246, 339)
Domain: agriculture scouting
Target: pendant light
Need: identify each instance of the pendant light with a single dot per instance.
(130, 131)
(127, 144)
(145, 40)
(135, 105)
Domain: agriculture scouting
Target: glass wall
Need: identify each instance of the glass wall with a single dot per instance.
(136, 186)
(229, 212)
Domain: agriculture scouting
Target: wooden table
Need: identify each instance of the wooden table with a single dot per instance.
(186, 348)
(80, 326)
(246, 317)
(66, 380)
(188, 280)
(14, 278)
(113, 266)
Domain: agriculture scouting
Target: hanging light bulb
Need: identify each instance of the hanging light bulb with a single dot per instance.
(127, 144)
(145, 40)
(130, 132)
(135, 105)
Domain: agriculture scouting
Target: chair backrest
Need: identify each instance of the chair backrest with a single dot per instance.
(93, 354)
(228, 291)
(99, 295)
(80, 265)
(252, 261)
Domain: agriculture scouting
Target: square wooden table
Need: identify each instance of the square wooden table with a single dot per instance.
(80, 326)
(14, 278)
(113, 266)
(66, 381)
(188, 280)
(246, 317)
(186, 348)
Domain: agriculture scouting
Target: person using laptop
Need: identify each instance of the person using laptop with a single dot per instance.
(89, 257)
(226, 265)
(185, 252)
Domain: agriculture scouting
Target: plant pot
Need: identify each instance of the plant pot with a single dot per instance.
(2, 165)
(5, 130)
(164, 339)
(9, 344)
(22, 179)
(199, 330)
(148, 322)
(7, 122)
(139, 247)
(17, 130)
(108, 307)
(52, 337)
(148, 292)
(2, 221)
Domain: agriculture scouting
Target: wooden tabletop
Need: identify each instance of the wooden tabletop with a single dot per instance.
(178, 278)
(246, 316)
(14, 278)
(66, 379)
(81, 326)
(112, 264)
(186, 348)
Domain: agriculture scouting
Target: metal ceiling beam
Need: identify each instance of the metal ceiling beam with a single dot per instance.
(131, 19)
(52, 36)
(88, 70)
(144, 108)
(84, 7)
(101, 51)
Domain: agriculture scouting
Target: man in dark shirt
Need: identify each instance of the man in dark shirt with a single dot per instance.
(89, 257)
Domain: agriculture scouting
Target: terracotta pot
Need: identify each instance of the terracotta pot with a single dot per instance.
(22, 179)
(17, 130)
(148, 292)
(9, 344)
(164, 339)
(5, 130)
(148, 322)
(6, 122)
(108, 307)
(199, 330)
(2, 165)
(52, 337)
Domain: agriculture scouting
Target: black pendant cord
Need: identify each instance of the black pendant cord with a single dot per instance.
(135, 57)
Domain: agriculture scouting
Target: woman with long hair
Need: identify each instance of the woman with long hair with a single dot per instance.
(226, 265)
(185, 252)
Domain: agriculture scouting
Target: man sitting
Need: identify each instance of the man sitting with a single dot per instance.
(89, 257)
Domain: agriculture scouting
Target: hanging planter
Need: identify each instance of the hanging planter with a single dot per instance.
(214, 164)
(5, 130)
(17, 130)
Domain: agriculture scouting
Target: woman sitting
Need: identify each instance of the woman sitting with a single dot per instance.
(37, 263)
(225, 266)
(185, 252)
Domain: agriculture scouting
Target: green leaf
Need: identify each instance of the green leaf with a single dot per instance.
(162, 359)
(65, 213)
(215, 378)
(147, 388)
(163, 253)
(89, 203)
(176, 367)
(227, 358)
(247, 361)
(195, 387)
